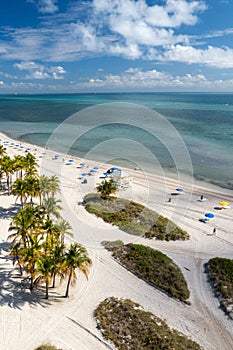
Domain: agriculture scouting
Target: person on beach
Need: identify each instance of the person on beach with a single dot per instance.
(214, 231)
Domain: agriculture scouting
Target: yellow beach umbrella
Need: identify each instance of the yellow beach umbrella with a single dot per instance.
(224, 204)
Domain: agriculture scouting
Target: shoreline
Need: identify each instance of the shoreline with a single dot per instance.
(197, 179)
(199, 184)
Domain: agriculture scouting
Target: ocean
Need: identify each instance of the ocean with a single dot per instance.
(192, 132)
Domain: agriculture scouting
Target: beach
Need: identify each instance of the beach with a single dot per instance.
(27, 322)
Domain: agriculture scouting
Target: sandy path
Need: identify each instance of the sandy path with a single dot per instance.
(70, 323)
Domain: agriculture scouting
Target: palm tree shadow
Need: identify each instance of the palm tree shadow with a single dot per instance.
(8, 213)
(15, 291)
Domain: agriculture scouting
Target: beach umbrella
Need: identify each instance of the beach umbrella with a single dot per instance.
(209, 215)
(93, 171)
(70, 161)
(224, 204)
(82, 164)
(96, 168)
(114, 168)
(180, 190)
(84, 174)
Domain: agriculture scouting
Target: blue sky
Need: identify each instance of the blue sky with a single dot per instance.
(116, 45)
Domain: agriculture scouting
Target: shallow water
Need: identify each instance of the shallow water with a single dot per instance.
(204, 122)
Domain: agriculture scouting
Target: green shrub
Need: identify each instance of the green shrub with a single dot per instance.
(130, 327)
(134, 218)
(221, 278)
(47, 347)
(153, 266)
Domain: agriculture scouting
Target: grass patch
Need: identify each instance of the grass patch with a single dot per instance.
(221, 277)
(153, 266)
(134, 218)
(47, 347)
(129, 327)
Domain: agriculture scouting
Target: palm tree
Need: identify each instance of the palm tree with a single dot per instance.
(49, 186)
(15, 253)
(51, 235)
(19, 165)
(57, 258)
(63, 227)
(76, 257)
(30, 164)
(6, 165)
(106, 188)
(33, 186)
(54, 185)
(2, 151)
(30, 255)
(27, 221)
(44, 266)
(44, 187)
(19, 189)
(52, 207)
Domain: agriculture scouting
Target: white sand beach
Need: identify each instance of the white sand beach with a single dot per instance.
(27, 321)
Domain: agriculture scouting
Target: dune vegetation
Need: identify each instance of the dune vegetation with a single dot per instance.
(128, 326)
(47, 347)
(133, 218)
(220, 272)
(152, 266)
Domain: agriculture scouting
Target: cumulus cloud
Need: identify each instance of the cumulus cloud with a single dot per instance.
(211, 56)
(153, 80)
(40, 71)
(126, 28)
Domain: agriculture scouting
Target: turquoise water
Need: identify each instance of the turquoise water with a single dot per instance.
(204, 121)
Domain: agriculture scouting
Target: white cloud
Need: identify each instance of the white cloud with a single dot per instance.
(153, 80)
(45, 6)
(39, 71)
(125, 28)
(1, 82)
(212, 56)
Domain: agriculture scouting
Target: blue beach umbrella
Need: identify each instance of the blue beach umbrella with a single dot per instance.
(84, 174)
(209, 215)
(114, 168)
(82, 164)
(179, 189)
(96, 168)
(71, 161)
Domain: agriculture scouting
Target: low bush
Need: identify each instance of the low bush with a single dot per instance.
(153, 266)
(129, 327)
(134, 218)
(221, 277)
(47, 347)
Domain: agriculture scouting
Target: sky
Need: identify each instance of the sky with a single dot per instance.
(71, 46)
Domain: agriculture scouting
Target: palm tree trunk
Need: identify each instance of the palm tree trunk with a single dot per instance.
(47, 289)
(20, 267)
(68, 284)
(31, 284)
(54, 280)
(8, 184)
